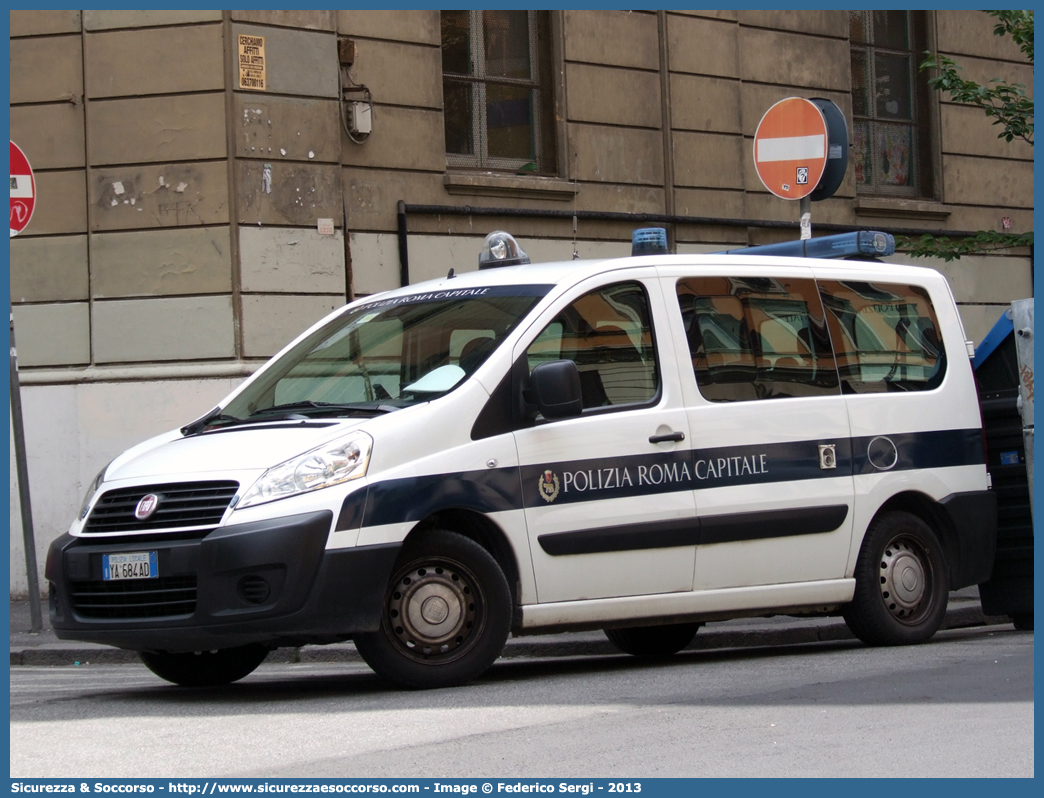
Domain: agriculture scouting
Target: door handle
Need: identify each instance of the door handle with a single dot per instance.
(670, 436)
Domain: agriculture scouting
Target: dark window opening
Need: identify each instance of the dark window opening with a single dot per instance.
(891, 135)
(498, 104)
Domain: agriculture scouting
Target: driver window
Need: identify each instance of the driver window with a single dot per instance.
(608, 334)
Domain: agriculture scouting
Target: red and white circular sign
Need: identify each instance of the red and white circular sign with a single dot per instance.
(23, 190)
(790, 148)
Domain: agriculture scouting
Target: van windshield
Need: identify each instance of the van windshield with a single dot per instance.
(386, 354)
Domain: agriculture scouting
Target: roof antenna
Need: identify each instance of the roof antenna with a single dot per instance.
(451, 275)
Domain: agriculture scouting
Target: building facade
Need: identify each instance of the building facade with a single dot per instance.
(211, 183)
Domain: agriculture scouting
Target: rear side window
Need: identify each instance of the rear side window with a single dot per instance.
(757, 338)
(886, 337)
(608, 334)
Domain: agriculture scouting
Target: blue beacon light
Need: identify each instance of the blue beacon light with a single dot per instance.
(649, 241)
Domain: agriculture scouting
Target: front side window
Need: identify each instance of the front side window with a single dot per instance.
(608, 334)
(891, 135)
(886, 337)
(496, 90)
(756, 338)
(387, 354)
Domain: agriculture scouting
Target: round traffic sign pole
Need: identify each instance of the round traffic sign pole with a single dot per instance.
(790, 148)
(23, 190)
(23, 198)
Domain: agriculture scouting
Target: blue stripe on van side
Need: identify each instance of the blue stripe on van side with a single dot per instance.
(670, 472)
(500, 489)
(937, 449)
(778, 462)
(607, 478)
(398, 500)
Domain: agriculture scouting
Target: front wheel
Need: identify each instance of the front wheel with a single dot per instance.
(902, 583)
(653, 641)
(205, 668)
(445, 617)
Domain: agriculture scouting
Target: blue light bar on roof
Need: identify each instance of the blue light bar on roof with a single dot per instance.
(844, 245)
(649, 241)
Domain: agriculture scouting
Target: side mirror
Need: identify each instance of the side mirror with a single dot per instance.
(556, 388)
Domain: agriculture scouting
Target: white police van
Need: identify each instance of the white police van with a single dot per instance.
(639, 445)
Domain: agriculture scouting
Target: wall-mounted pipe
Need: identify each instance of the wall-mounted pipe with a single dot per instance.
(635, 219)
(404, 254)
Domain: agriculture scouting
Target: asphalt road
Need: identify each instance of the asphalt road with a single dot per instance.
(961, 705)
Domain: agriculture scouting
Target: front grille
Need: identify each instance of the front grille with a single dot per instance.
(181, 504)
(137, 598)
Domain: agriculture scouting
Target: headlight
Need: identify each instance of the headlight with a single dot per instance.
(91, 490)
(330, 464)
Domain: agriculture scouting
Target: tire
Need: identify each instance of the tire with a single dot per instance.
(1023, 621)
(445, 617)
(902, 583)
(653, 642)
(205, 668)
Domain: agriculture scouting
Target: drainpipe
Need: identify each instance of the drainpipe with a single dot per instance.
(634, 219)
(666, 127)
(404, 254)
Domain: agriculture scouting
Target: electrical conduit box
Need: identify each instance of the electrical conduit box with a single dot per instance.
(360, 118)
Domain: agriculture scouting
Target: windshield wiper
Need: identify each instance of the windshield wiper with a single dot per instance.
(308, 404)
(201, 422)
(287, 410)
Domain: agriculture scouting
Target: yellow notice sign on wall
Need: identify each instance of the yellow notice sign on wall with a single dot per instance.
(252, 62)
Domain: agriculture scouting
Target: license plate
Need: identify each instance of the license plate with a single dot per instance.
(133, 565)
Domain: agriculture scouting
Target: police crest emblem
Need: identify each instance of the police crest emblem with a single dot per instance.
(549, 486)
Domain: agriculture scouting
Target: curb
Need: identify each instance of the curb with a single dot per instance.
(517, 647)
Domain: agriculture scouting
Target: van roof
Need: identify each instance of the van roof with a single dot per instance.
(555, 272)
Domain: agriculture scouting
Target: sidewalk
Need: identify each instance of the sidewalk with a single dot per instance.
(44, 648)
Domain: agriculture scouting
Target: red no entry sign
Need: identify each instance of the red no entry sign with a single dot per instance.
(790, 148)
(23, 190)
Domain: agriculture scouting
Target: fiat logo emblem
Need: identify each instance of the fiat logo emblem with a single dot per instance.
(146, 507)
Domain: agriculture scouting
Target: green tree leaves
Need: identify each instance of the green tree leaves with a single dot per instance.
(1008, 105)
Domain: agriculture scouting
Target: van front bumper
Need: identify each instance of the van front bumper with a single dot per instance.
(270, 582)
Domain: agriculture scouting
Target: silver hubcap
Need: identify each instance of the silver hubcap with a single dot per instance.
(904, 579)
(432, 611)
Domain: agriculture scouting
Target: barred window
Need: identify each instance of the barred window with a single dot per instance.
(890, 153)
(496, 90)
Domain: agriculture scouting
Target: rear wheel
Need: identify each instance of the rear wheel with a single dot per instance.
(902, 583)
(653, 641)
(205, 668)
(445, 617)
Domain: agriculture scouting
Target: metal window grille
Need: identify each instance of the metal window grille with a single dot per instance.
(491, 89)
(891, 136)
